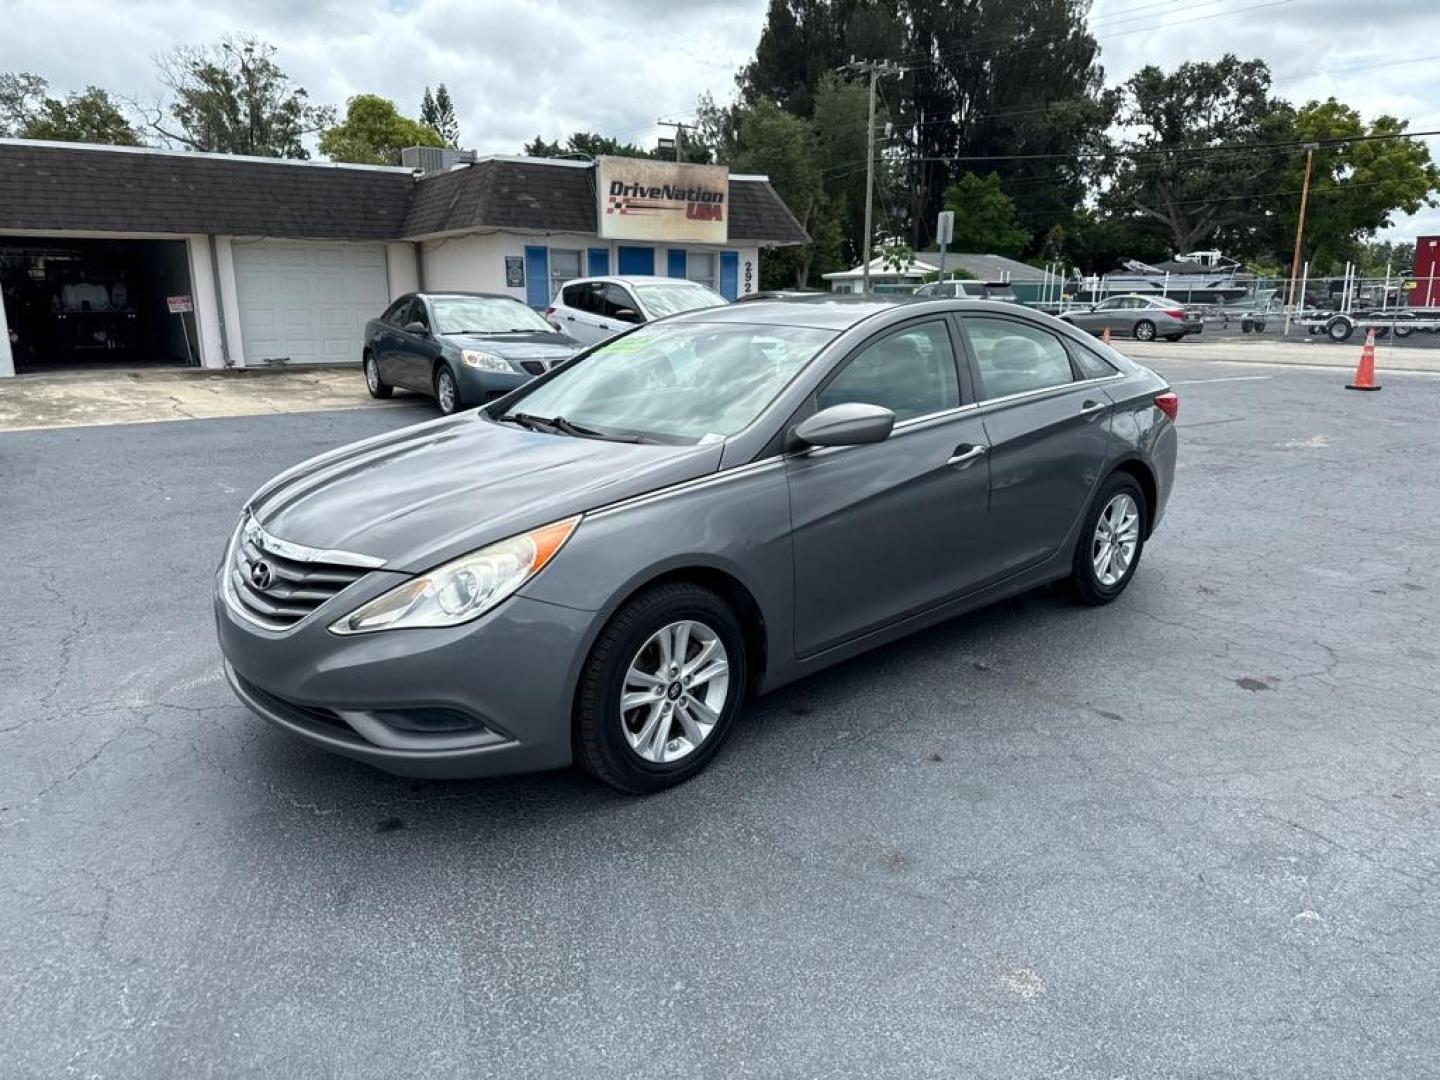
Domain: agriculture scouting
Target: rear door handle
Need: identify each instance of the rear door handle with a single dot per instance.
(569, 318)
(1091, 406)
(965, 453)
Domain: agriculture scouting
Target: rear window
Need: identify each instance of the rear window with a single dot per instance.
(1092, 364)
(1013, 358)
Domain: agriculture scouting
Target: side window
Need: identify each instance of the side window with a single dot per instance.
(616, 298)
(1013, 358)
(910, 372)
(417, 313)
(1092, 364)
(394, 312)
(579, 297)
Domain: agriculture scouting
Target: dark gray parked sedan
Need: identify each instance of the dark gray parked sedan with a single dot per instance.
(602, 566)
(460, 348)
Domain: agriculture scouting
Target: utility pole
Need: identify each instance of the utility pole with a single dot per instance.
(1310, 149)
(679, 126)
(875, 68)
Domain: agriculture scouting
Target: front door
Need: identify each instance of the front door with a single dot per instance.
(889, 529)
(415, 353)
(1048, 433)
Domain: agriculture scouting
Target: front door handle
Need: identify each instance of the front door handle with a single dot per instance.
(1091, 406)
(965, 453)
(569, 318)
(604, 326)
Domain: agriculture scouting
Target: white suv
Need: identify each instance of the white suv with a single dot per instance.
(593, 309)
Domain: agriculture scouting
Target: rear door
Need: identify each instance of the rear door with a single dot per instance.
(576, 312)
(1046, 425)
(890, 529)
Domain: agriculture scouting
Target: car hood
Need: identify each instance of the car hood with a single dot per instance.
(429, 493)
(536, 346)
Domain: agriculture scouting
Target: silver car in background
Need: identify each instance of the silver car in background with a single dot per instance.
(604, 565)
(1143, 318)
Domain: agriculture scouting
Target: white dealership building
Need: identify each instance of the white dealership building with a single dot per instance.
(117, 255)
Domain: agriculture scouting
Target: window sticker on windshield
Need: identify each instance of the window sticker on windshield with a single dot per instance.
(633, 343)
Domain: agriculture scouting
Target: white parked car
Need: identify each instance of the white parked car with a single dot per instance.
(593, 309)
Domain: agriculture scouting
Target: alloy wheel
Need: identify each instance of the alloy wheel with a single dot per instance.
(674, 691)
(445, 392)
(1117, 536)
(1144, 330)
(372, 376)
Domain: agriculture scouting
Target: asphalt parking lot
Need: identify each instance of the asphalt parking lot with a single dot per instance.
(1191, 834)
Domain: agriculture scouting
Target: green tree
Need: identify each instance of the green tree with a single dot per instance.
(20, 96)
(1355, 186)
(984, 216)
(89, 117)
(583, 144)
(373, 133)
(771, 141)
(27, 111)
(838, 120)
(437, 112)
(232, 98)
(1173, 168)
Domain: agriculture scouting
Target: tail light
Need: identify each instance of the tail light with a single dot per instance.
(1176, 313)
(1168, 403)
(550, 311)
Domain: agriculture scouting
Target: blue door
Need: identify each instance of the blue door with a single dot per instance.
(729, 274)
(537, 277)
(635, 261)
(675, 262)
(599, 264)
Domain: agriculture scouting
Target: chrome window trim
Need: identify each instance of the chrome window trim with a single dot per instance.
(1049, 390)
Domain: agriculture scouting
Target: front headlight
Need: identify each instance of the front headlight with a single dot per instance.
(463, 589)
(485, 361)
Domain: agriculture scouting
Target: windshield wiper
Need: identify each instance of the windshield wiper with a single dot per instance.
(566, 427)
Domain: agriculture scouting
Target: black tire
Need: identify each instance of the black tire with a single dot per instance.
(1339, 330)
(1144, 330)
(601, 746)
(449, 403)
(1085, 583)
(1403, 331)
(377, 386)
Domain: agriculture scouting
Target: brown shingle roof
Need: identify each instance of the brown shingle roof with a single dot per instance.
(65, 188)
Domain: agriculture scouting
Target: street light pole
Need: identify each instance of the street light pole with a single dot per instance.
(1310, 149)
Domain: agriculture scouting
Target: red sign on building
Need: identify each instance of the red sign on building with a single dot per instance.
(1427, 272)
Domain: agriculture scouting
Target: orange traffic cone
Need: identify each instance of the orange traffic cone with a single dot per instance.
(1365, 370)
(1105, 335)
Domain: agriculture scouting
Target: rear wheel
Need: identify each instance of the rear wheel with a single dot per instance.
(377, 386)
(660, 690)
(1339, 329)
(1111, 541)
(1144, 330)
(447, 393)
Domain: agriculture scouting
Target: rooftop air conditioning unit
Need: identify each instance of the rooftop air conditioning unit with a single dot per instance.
(428, 160)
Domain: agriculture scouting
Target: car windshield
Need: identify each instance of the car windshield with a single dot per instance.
(668, 299)
(695, 382)
(485, 315)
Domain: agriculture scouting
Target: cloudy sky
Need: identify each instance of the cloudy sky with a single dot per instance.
(521, 68)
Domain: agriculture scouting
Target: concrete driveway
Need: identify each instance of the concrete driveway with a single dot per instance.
(146, 395)
(1191, 834)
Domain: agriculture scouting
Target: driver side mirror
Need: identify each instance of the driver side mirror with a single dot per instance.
(626, 314)
(419, 329)
(850, 424)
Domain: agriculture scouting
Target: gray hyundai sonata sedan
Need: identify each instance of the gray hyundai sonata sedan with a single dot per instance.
(603, 566)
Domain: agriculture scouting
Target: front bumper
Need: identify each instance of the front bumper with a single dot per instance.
(478, 387)
(488, 698)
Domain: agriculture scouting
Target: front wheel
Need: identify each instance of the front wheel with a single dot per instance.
(660, 690)
(447, 394)
(377, 386)
(1111, 541)
(1144, 330)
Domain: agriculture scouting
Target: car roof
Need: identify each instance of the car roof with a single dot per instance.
(463, 292)
(825, 311)
(636, 279)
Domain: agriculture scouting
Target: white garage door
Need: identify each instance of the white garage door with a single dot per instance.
(306, 302)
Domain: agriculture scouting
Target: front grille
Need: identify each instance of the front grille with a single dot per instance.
(278, 590)
(534, 367)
